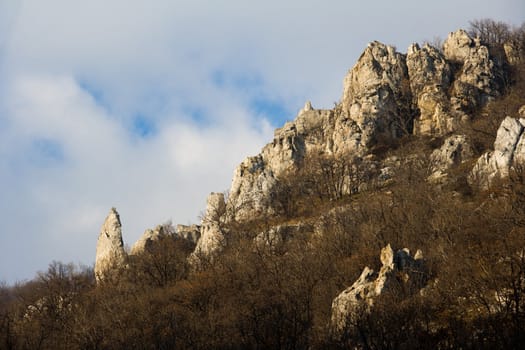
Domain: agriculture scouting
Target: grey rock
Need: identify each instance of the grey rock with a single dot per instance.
(456, 150)
(373, 91)
(191, 233)
(359, 298)
(110, 247)
(212, 239)
(430, 78)
(509, 152)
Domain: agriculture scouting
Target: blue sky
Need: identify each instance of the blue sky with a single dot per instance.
(149, 105)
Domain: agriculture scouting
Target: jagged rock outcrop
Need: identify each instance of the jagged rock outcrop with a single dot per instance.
(478, 75)
(398, 267)
(110, 247)
(149, 238)
(447, 86)
(514, 52)
(430, 78)
(212, 238)
(374, 95)
(386, 94)
(458, 46)
(191, 233)
(509, 152)
(456, 150)
(370, 111)
(255, 178)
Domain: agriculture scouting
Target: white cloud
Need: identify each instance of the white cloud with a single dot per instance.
(76, 75)
(150, 181)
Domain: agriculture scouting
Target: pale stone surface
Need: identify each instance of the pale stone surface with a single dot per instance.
(255, 177)
(521, 111)
(456, 150)
(512, 52)
(373, 90)
(212, 239)
(476, 83)
(191, 233)
(110, 247)
(361, 295)
(382, 94)
(457, 46)
(509, 151)
(430, 78)
(445, 87)
(149, 237)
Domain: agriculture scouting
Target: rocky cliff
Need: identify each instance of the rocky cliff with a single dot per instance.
(428, 92)
(385, 95)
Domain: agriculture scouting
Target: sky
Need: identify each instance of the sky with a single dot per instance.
(149, 105)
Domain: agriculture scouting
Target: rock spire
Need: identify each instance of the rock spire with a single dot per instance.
(110, 248)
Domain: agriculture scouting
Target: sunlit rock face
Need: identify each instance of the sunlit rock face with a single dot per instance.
(447, 86)
(455, 150)
(110, 248)
(430, 79)
(508, 154)
(386, 95)
(477, 80)
(397, 267)
(428, 91)
(149, 238)
(375, 92)
(212, 238)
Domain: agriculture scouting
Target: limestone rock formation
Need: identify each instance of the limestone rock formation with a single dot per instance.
(456, 149)
(373, 94)
(458, 46)
(147, 239)
(151, 236)
(255, 177)
(212, 238)
(446, 86)
(430, 78)
(386, 94)
(110, 248)
(191, 233)
(509, 152)
(398, 267)
(477, 81)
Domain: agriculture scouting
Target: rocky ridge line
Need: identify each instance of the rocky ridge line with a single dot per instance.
(385, 96)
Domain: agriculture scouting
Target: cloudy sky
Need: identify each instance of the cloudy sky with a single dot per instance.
(148, 105)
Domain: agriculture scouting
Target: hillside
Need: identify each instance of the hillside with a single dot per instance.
(395, 219)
